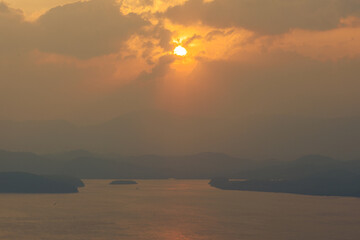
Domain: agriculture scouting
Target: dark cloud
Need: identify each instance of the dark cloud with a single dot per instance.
(13, 31)
(265, 16)
(86, 29)
(162, 34)
(159, 70)
(189, 40)
(211, 35)
(82, 30)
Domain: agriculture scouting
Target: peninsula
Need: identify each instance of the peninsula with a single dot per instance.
(20, 182)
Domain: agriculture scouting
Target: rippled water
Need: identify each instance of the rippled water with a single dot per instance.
(176, 210)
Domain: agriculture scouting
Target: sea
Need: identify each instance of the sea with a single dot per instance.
(176, 210)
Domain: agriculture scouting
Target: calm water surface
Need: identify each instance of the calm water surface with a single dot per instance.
(176, 210)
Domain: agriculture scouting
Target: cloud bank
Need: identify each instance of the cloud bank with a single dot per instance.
(265, 16)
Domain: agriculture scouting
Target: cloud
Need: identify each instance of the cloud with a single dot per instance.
(13, 30)
(159, 70)
(74, 58)
(86, 29)
(265, 16)
(82, 29)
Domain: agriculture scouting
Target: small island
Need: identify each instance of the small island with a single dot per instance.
(123, 182)
(20, 182)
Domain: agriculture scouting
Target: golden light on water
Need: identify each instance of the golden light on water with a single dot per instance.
(180, 51)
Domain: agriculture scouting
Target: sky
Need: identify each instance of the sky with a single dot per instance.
(88, 62)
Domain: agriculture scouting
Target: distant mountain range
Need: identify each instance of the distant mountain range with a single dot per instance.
(86, 165)
(255, 137)
(304, 167)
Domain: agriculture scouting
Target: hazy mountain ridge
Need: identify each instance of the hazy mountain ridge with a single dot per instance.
(256, 137)
(305, 167)
(84, 164)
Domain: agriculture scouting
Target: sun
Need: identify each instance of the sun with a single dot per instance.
(180, 51)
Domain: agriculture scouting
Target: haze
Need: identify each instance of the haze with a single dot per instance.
(261, 78)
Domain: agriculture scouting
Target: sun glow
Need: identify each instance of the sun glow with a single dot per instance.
(180, 51)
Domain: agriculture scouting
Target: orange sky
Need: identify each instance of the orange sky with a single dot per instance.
(105, 61)
(95, 61)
